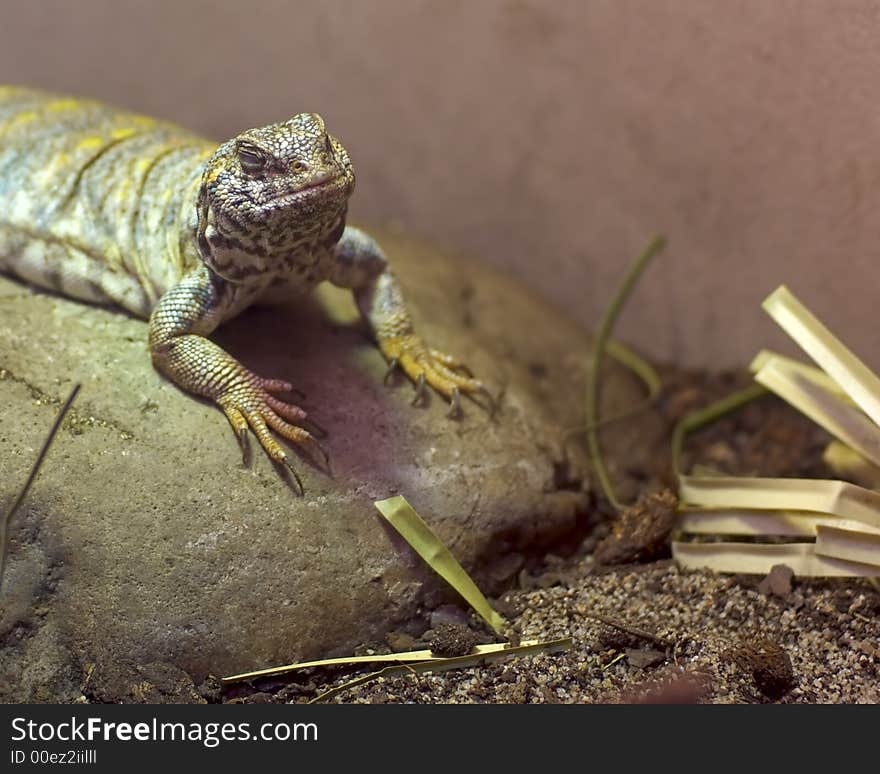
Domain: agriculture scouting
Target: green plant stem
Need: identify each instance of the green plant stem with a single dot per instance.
(603, 335)
(640, 368)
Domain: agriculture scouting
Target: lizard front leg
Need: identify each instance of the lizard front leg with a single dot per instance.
(360, 265)
(182, 319)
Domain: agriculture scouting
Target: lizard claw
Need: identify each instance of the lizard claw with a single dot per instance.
(493, 401)
(420, 389)
(392, 367)
(287, 464)
(245, 446)
(432, 368)
(313, 427)
(315, 446)
(454, 404)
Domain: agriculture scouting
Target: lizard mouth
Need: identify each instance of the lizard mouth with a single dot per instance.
(292, 197)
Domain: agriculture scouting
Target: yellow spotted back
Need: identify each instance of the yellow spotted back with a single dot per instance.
(95, 202)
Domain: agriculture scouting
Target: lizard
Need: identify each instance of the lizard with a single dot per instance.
(115, 208)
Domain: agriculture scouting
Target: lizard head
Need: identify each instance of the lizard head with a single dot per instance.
(270, 192)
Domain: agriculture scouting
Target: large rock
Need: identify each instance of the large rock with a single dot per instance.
(146, 547)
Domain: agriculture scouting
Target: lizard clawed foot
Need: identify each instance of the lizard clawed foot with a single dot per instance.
(427, 367)
(249, 405)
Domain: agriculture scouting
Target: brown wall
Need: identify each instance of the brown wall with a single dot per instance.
(550, 138)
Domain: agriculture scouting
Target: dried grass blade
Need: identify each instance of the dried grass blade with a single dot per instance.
(456, 662)
(403, 517)
(759, 558)
(839, 418)
(853, 376)
(840, 498)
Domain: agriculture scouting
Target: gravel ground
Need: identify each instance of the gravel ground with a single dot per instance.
(649, 632)
(712, 639)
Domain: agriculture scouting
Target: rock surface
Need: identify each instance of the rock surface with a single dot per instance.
(146, 547)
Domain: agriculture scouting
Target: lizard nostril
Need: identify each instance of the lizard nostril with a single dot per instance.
(321, 176)
(299, 166)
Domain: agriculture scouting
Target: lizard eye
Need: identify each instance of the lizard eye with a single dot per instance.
(252, 160)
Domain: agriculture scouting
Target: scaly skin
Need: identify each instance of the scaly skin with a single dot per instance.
(115, 208)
